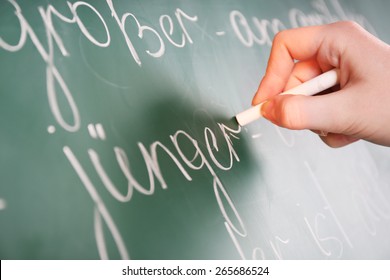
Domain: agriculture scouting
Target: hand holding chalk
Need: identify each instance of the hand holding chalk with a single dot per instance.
(311, 87)
(358, 109)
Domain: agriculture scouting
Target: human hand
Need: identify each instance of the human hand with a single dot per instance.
(359, 109)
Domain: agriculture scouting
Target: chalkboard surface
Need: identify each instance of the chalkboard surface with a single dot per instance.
(117, 138)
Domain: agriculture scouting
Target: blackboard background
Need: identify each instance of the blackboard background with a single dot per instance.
(296, 198)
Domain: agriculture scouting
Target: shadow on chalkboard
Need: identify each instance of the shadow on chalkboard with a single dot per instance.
(182, 219)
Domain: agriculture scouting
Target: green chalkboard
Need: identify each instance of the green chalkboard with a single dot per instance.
(118, 139)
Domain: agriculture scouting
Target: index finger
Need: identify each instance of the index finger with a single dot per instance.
(288, 46)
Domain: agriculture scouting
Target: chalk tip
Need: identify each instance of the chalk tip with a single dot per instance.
(237, 120)
(249, 115)
(234, 120)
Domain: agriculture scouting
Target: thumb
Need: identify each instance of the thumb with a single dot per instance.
(325, 112)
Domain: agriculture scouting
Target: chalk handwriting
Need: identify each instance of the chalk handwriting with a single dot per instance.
(321, 241)
(261, 31)
(53, 76)
(150, 157)
(177, 30)
(100, 207)
(276, 246)
(327, 204)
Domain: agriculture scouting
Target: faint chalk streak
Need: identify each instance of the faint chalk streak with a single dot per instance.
(3, 204)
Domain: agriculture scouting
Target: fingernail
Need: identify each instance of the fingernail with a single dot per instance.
(255, 100)
(267, 110)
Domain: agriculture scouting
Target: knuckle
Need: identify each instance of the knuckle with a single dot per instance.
(340, 37)
(279, 37)
(347, 26)
(351, 25)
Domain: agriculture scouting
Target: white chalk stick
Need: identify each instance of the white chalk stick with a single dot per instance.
(311, 87)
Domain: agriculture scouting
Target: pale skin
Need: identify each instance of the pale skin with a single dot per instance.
(358, 109)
